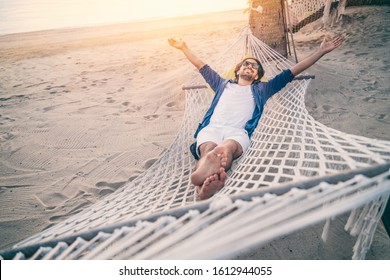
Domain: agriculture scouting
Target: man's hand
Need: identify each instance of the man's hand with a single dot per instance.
(178, 44)
(181, 45)
(325, 47)
(328, 46)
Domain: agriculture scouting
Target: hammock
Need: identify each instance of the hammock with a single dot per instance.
(302, 13)
(273, 189)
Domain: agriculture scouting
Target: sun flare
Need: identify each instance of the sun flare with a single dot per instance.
(31, 15)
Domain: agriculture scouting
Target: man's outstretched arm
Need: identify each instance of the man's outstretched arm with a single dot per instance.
(325, 47)
(181, 45)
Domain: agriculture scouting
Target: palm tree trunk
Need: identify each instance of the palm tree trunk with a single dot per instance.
(269, 25)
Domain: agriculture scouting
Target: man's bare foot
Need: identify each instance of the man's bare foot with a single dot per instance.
(209, 165)
(212, 184)
(221, 152)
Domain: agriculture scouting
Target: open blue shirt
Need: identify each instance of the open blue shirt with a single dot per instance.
(261, 91)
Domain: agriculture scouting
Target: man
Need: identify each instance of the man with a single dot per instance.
(224, 134)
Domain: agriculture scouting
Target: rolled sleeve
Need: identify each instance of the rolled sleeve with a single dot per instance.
(278, 82)
(211, 77)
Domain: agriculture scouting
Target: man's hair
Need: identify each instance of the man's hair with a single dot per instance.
(260, 70)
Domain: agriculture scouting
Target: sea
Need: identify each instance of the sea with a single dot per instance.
(18, 16)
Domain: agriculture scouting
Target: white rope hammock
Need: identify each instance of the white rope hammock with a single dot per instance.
(289, 148)
(226, 226)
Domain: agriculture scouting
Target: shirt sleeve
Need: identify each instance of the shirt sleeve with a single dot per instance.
(278, 82)
(211, 77)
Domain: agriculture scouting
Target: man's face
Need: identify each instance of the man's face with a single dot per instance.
(249, 70)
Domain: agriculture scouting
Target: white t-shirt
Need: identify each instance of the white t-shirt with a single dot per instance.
(235, 106)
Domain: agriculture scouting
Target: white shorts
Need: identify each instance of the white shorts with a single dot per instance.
(218, 134)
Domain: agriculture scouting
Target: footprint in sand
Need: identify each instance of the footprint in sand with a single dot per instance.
(110, 100)
(5, 119)
(327, 108)
(107, 188)
(369, 99)
(55, 89)
(348, 52)
(171, 105)
(151, 117)
(363, 72)
(5, 136)
(133, 108)
(383, 117)
(149, 163)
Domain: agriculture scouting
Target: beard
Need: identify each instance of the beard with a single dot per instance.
(246, 77)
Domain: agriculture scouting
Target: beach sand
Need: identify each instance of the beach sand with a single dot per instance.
(85, 110)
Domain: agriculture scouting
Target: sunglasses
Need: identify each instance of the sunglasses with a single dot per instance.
(253, 64)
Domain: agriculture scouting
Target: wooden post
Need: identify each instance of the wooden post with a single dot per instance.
(341, 8)
(326, 17)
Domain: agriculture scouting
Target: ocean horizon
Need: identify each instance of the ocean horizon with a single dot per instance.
(18, 16)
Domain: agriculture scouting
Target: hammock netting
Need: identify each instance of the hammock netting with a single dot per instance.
(302, 13)
(297, 172)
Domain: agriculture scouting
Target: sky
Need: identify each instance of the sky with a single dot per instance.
(29, 15)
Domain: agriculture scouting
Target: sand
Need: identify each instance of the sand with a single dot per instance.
(85, 110)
